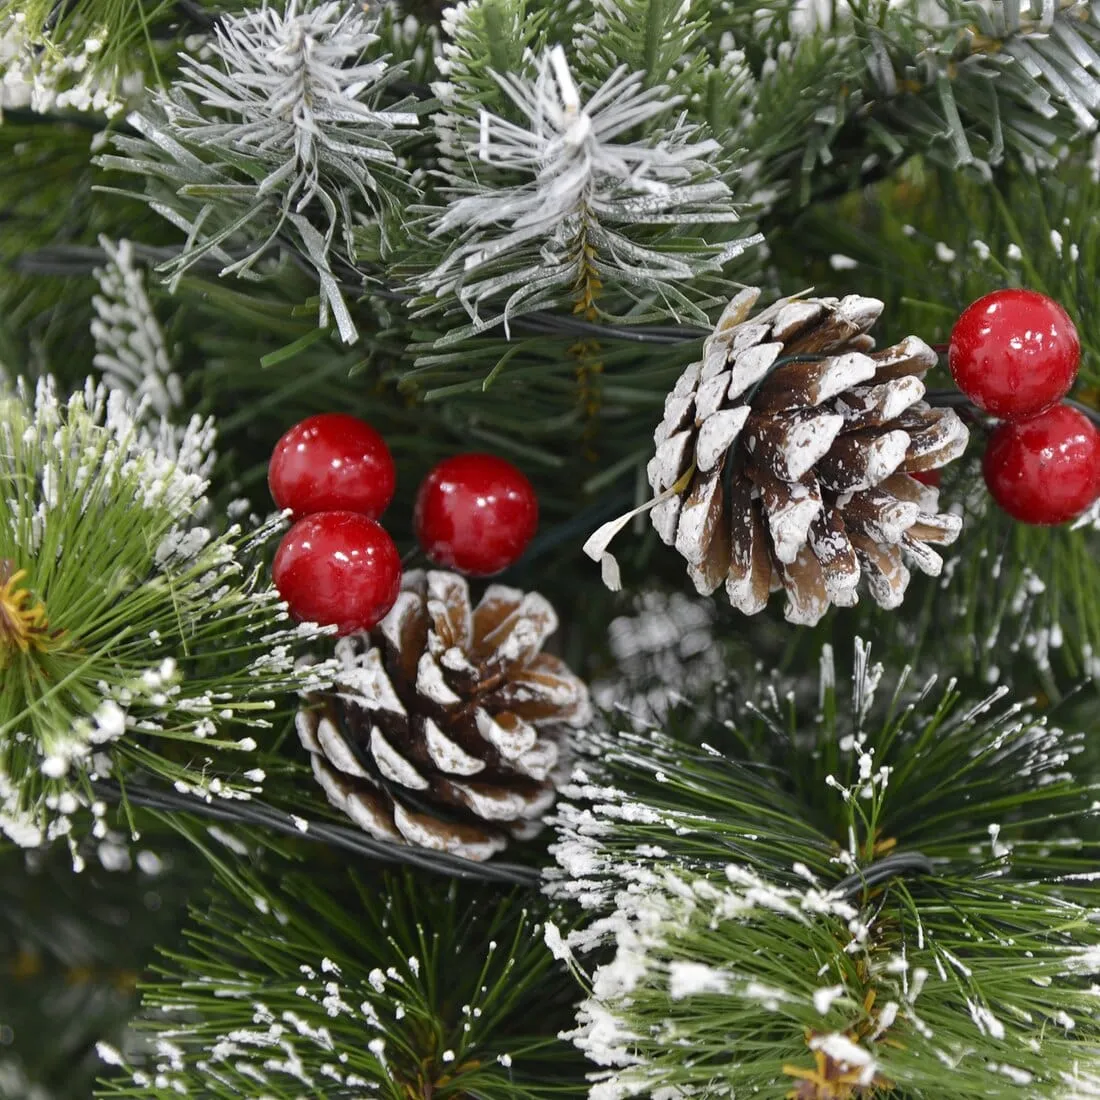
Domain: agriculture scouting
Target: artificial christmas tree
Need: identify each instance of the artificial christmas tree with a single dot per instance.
(384, 299)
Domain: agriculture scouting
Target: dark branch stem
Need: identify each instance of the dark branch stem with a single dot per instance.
(258, 815)
(895, 864)
(71, 259)
(24, 116)
(195, 14)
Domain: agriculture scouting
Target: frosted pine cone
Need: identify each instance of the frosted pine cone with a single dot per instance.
(795, 442)
(447, 725)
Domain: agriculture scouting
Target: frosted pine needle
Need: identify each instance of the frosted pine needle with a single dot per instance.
(800, 875)
(587, 202)
(298, 90)
(130, 348)
(282, 127)
(115, 602)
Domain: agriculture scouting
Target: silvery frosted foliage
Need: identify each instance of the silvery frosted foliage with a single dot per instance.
(123, 619)
(448, 727)
(785, 456)
(130, 348)
(573, 203)
(280, 133)
(665, 646)
(799, 908)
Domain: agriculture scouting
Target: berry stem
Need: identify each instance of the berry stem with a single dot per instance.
(954, 399)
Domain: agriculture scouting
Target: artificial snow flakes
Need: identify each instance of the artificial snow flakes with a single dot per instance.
(785, 457)
(448, 726)
(48, 77)
(731, 899)
(356, 1016)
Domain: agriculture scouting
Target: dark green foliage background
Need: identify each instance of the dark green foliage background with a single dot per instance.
(838, 167)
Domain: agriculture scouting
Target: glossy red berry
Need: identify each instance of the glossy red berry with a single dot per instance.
(476, 513)
(1014, 353)
(928, 477)
(339, 569)
(1045, 470)
(332, 462)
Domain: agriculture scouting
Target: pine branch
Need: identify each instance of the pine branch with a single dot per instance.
(827, 109)
(132, 639)
(395, 986)
(889, 893)
(285, 126)
(557, 207)
(479, 38)
(77, 56)
(96, 55)
(662, 39)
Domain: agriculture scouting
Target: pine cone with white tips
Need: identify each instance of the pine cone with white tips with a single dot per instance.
(793, 443)
(448, 725)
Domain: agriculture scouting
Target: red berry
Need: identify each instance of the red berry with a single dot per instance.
(332, 462)
(1014, 353)
(928, 477)
(476, 513)
(1045, 470)
(339, 569)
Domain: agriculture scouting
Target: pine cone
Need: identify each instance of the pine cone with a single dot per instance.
(799, 441)
(447, 726)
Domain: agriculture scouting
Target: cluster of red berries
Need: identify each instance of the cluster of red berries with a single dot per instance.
(337, 565)
(1015, 354)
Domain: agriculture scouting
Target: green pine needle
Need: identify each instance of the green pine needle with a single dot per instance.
(131, 635)
(891, 889)
(347, 986)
